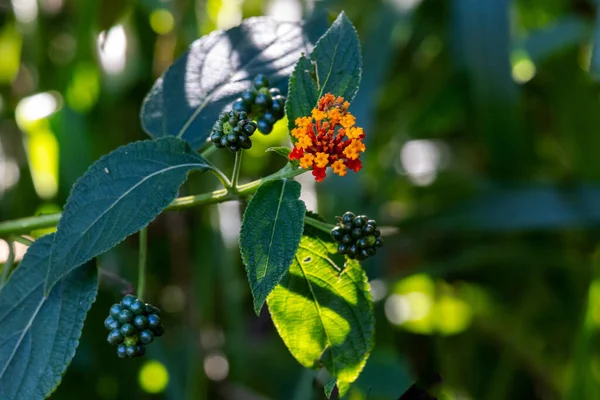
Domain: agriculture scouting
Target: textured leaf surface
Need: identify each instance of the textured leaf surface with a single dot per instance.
(39, 335)
(324, 317)
(217, 68)
(120, 194)
(270, 235)
(335, 66)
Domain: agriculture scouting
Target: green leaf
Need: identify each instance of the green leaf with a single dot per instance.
(282, 151)
(270, 235)
(303, 94)
(118, 195)
(335, 67)
(217, 68)
(325, 317)
(40, 334)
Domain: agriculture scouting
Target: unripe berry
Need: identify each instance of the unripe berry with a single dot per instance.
(131, 340)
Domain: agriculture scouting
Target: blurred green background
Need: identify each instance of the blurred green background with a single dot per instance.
(483, 136)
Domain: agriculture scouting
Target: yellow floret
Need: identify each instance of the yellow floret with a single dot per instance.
(348, 120)
(354, 133)
(352, 152)
(304, 142)
(322, 160)
(318, 115)
(339, 167)
(306, 161)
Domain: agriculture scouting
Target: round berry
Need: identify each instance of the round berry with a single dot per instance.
(153, 320)
(240, 106)
(244, 142)
(146, 337)
(115, 337)
(263, 100)
(224, 116)
(128, 330)
(127, 300)
(125, 316)
(150, 309)
(224, 141)
(264, 126)
(137, 307)
(337, 233)
(360, 221)
(248, 96)
(234, 147)
(215, 137)
(348, 217)
(364, 253)
(352, 251)
(371, 251)
(362, 243)
(379, 242)
(261, 81)
(356, 233)
(347, 239)
(140, 350)
(131, 351)
(243, 115)
(368, 229)
(115, 309)
(274, 92)
(342, 248)
(232, 121)
(377, 232)
(269, 117)
(231, 138)
(140, 322)
(122, 351)
(131, 340)
(158, 331)
(110, 323)
(370, 241)
(250, 128)
(348, 227)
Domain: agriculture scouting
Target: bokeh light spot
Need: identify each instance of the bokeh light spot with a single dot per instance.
(162, 21)
(153, 377)
(216, 367)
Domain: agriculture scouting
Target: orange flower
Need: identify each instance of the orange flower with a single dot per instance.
(328, 137)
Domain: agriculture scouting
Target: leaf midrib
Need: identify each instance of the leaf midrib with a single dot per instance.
(164, 170)
(274, 228)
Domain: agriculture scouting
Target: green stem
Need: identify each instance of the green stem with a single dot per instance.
(236, 170)
(7, 265)
(220, 175)
(315, 223)
(143, 251)
(207, 149)
(28, 224)
(22, 240)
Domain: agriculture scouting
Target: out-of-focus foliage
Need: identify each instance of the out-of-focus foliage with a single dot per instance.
(483, 136)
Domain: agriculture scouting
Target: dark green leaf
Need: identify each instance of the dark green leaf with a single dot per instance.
(120, 194)
(217, 68)
(302, 93)
(335, 66)
(325, 317)
(40, 334)
(270, 234)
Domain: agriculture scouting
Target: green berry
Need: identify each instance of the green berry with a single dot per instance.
(127, 300)
(370, 241)
(146, 337)
(261, 81)
(137, 307)
(110, 323)
(140, 322)
(125, 316)
(131, 340)
(128, 330)
(115, 309)
(122, 351)
(115, 337)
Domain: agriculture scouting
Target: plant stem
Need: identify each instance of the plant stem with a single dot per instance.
(7, 265)
(220, 175)
(315, 223)
(236, 170)
(22, 240)
(28, 224)
(143, 252)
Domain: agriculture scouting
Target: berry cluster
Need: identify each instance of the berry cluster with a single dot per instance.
(357, 235)
(233, 130)
(133, 325)
(265, 105)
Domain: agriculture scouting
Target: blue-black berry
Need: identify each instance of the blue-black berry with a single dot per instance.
(233, 129)
(358, 237)
(134, 324)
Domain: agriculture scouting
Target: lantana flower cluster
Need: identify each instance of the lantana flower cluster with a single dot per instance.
(328, 137)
